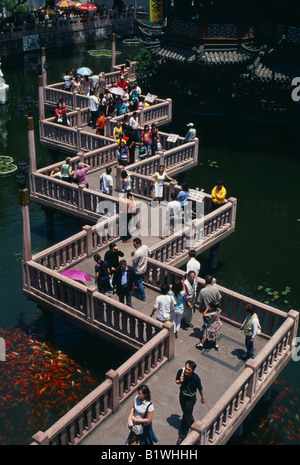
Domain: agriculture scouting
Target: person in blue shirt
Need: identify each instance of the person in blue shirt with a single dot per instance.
(191, 134)
(183, 195)
(102, 274)
(121, 107)
(189, 383)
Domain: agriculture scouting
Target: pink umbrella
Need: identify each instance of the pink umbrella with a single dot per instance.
(117, 91)
(77, 275)
(86, 7)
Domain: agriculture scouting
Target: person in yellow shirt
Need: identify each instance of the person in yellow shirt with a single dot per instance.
(218, 195)
(117, 131)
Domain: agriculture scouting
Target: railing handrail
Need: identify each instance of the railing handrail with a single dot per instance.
(225, 291)
(250, 375)
(54, 430)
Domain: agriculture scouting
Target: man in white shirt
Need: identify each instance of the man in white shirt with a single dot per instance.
(189, 304)
(106, 182)
(165, 304)
(94, 108)
(173, 219)
(139, 264)
(193, 263)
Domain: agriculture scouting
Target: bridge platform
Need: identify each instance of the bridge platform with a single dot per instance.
(217, 370)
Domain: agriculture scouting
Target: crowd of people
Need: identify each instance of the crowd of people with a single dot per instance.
(32, 16)
(176, 303)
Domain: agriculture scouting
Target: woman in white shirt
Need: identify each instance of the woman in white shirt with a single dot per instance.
(141, 415)
(165, 305)
(126, 181)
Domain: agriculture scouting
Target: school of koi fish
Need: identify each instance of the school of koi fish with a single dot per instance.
(38, 384)
(282, 424)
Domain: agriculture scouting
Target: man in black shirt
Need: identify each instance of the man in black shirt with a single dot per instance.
(189, 383)
(112, 257)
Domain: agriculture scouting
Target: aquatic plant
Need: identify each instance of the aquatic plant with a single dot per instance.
(274, 296)
(106, 53)
(6, 165)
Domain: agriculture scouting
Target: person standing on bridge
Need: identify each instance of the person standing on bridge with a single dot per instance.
(189, 383)
(190, 298)
(123, 282)
(139, 264)
(251, 328)
(212, 331)
(207, 294)
(140, 418)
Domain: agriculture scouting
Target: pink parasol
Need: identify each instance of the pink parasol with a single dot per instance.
(117, 91)
(86, 7)
(77, 275)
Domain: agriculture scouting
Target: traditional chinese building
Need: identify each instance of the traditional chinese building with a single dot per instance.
(247, 39)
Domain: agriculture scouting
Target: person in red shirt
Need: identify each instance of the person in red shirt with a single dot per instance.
(122, 83)
(100, 124)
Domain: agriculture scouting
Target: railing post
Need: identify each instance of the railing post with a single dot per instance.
(253, 365)
(113, 376)
(81, 156)
(200, 428)
(169, 108)
(232, 218)
(196, 151)
(79, 122)
(80, 198)
(113, 52)
(89, 240)
(170, 341)
(90, 310)
(108, 130)
(41, 99)
(31, 153)
(119, 179)
(43, 62)
(79, 138)
(41, 439)
(295, 317)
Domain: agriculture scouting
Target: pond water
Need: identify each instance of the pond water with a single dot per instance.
(262, 253)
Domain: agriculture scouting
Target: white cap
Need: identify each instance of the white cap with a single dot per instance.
(190, 124)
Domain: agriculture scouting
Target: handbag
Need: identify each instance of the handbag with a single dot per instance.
(137, 428)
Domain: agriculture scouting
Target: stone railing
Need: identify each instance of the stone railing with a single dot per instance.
(54, 92)
(232, 304)
(89, 308)
(201, 234)
(278, 327)
(160, 112)
(70, 139)
(50, 26)
(231, 409)
(111, 393)
(85, 244)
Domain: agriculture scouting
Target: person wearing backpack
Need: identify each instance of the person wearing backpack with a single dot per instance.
(251, 328)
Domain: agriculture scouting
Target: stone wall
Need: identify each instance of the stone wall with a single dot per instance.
(26, 39)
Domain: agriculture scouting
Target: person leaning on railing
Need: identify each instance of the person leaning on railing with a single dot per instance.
(218, 195)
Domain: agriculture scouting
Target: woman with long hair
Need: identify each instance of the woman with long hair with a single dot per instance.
(140, 418)
(212, 331)
(178, 291)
